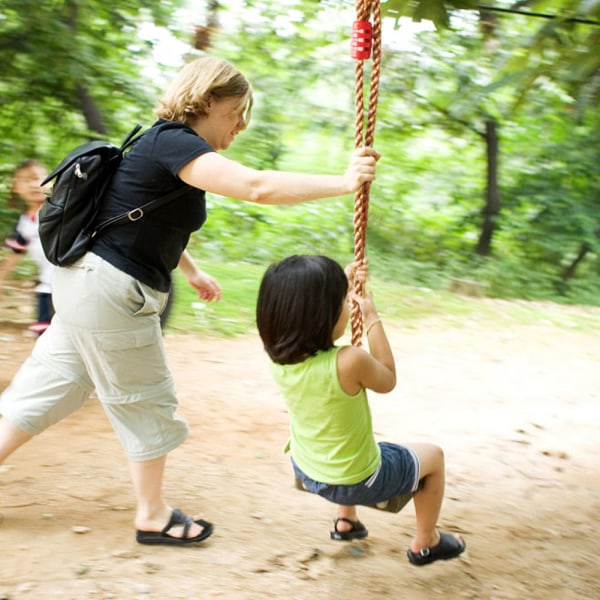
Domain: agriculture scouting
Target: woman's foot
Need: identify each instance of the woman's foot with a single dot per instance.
(180, 529)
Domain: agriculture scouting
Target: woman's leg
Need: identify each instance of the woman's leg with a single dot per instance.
(153, 513)
(40, 394)
(11, 438)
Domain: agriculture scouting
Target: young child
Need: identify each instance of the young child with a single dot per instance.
(303, 307)
(25, 237)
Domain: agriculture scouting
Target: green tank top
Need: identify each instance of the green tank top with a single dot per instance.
(331, 431)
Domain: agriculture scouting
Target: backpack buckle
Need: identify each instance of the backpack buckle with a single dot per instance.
(136, 214)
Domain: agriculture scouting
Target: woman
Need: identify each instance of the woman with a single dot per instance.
(106, 332)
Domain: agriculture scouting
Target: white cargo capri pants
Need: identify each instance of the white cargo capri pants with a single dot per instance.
(105, 336)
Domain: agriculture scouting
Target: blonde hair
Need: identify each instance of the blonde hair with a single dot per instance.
(187, 96)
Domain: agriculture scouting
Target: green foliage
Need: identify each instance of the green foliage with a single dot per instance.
(437, 11)
(257, 234)
(69, 67)
(537, 79)
(566, 48)
(232, 315)
(397, 302)
(553, 210)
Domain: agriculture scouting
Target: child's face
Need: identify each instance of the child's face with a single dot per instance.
(26, 184)
(342, 322)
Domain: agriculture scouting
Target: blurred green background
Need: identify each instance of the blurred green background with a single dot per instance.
(487, 121)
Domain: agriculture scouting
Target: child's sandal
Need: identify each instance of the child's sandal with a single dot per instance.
(358, 531)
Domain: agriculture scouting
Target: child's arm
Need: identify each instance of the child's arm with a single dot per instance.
(6, 266)
(357, 368)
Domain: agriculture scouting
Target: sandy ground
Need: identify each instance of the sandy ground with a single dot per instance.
(516, 410)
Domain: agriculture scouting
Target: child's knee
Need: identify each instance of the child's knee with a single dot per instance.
(436, 454)
(431, 458)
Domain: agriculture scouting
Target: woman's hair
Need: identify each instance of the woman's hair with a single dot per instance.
(299, 302)
(187, 96)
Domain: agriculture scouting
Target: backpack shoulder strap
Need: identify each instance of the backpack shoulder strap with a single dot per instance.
(137, 213)
(131, 138)
(94, 147)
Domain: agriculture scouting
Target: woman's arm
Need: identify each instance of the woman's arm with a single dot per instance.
(219, 175)
(207, 287)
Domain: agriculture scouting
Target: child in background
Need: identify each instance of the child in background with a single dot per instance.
(25, 237)
(303, 307)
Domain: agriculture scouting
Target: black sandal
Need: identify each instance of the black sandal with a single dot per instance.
(448, 547)
(358, 531)
(177, 518)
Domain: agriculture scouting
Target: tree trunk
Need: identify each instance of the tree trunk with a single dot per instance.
(90, 111)
(570, 270)
(89, 108)
(203, 33)
(492, 196)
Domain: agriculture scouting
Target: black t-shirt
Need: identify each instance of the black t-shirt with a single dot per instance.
(149, 249)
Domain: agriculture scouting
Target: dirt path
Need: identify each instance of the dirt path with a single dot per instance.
(517, 412)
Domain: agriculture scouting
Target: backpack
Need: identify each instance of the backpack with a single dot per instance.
(67, 218)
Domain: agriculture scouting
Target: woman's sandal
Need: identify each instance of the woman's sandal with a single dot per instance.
(177, 518)
(448, 547)
(358, 531)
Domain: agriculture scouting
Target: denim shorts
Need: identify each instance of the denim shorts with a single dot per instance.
(398, 474)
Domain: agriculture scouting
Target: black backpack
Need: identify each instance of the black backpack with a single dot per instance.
(67, 219)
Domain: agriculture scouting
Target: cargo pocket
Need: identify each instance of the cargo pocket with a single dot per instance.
(132, 363)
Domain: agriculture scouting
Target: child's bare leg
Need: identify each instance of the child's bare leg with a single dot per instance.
(11, 438)
(345, 512)
(347, 527)
(428, 499)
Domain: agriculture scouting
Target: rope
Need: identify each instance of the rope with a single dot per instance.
(364, 9)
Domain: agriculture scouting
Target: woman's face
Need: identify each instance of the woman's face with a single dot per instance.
(224, 121)
(26, 184)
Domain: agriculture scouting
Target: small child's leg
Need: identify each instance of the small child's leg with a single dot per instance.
(429, 545)
(429, 496)
(347, 513)
(347, 527)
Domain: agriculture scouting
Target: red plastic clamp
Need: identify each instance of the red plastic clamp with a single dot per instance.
(362, 40)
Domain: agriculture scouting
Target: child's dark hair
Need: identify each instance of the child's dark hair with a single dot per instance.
(299, 302)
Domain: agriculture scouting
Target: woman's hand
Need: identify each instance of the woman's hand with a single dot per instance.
(362, 168)
(207, 287)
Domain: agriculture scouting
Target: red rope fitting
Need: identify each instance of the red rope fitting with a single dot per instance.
(362, 40)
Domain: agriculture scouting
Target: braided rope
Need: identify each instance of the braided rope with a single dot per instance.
(364, 8)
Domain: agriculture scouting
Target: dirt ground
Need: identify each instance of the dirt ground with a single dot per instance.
(516, 410)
